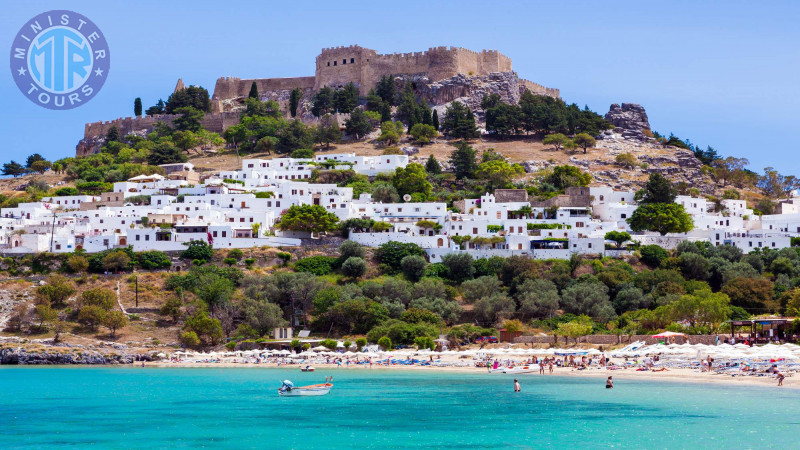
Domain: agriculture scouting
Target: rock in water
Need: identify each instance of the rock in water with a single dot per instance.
(630, 119)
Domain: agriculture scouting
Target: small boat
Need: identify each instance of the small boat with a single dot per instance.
(529, 368)
(307, 369)
(289, 390)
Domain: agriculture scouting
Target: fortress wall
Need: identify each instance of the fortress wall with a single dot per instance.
(538, 89)
(337, 66)
(230, 87)
(216, 122)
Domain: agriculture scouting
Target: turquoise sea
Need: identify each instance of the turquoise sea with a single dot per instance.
(239, 407)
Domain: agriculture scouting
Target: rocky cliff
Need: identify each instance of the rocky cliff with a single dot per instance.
(630, 120)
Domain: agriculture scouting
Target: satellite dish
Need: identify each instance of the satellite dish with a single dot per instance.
(406, 197)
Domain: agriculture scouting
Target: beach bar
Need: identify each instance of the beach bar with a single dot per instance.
(763, 331)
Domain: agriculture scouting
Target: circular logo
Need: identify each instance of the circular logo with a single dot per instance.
(60, 59)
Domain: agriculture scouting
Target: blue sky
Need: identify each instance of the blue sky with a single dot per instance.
(719, 73)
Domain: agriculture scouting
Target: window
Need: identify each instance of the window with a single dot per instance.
(352, 60)
(623, 215)
(215, 234)
(329, 63)
(146, 237)
(224, 234)
(601, 198)
(137, 237)
(334, 63)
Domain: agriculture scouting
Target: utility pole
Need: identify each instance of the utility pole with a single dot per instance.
(136, 282)
(53, 231)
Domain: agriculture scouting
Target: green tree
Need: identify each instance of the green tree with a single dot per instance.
(590, 298)
(435, 120)
(100, 297)
(574, 329)
(253, 91)
(463, 161)
(499, 174)
(413, 267)
(116, 261)
(627, 160)
(566, 176)
(165, 152)
(207, 329)
(358, 125)
(323, 101)
(294, 101)
(390, 132)
(412, 179)
(45, 313)
(618, 237)
(91, 316)
(13, 169)
(584, 140)
(262, 315)
(354, 267)
(197, 249)
(156, 109)
(658, 189)
(393, 252)
(37, 157)
(653, 255)
(114, 320)
(41, 166)
(386, 90)
(557, 140)
(193, 96)
(189, 119)
(661, 217)
(328, 130)
(308, 218)
(293, 136)
(538, 298)
(432, 166)
(459, 266)
(137, 107)
(346, 98)
(494, 308)
(56, 291)
(459, 122)
(423, 134)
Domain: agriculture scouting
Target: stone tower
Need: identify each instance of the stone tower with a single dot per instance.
(179, 86)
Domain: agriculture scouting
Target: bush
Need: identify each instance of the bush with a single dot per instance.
(361, 343)
(190, 339)
(347, 344)
(229, 261)
(235, 253)
(317, 265)
(424, 342)
(330, 344)
(393, 252)
(249, 262)
(652, 255)
(354, 267)
(153, 260)
(200, 250)
(459, 266)
(302, 153)
(413, 267)
(385, 343)
(350, 248)
(284, 257)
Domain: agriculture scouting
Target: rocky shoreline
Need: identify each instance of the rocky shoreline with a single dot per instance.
(23, 352)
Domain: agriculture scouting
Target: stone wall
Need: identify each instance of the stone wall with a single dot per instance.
(233, 87)
(610, 339)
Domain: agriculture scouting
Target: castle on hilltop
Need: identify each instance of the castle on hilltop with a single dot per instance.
(336, 67)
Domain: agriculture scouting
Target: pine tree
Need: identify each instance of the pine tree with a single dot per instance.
(137, 107)
(432, 166)
(253, 91)
(463, 161)
(112, 135)
(435, 120)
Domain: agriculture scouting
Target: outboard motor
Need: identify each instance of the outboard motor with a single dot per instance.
(286, 386)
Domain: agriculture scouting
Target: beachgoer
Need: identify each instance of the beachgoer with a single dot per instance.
(609, 383)
(780, 379)
(517, 387)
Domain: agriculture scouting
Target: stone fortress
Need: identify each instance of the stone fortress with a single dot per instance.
(442, 74)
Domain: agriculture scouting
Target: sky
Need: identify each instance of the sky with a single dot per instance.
(719, 73)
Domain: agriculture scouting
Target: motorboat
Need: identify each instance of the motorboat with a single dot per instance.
(527, 368)
(288, 389)
(307, 369)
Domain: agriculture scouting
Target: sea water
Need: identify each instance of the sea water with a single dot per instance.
(239, 407)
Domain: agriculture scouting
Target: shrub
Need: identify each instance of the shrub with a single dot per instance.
(393, 252)
(354, 267)
(190, 339)
(235, 253)
(200, 250)
(350, 248)
(330, 344)
(348, 344)
(249, 262)
(317, 265)
(153, 260)
(361, 343)
(284, 257)
(385, 343)
(413, 267)
(424, 342)
(302, 153)
(652, 255)
(229, 261)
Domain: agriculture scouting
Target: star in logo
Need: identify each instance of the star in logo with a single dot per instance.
(98, 72)
(21, 71)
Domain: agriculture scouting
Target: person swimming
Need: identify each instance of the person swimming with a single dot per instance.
(517, 387)
(609, 383)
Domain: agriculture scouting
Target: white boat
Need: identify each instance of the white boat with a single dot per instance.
(289, 390)
(307, 369)
(526, 368)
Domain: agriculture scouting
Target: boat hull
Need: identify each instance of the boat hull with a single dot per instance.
(307, 391)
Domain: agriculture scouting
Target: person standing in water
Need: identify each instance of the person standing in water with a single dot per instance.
(609, 383)
(517, 387)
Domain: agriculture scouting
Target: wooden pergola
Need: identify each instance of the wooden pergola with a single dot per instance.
(762, 330)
